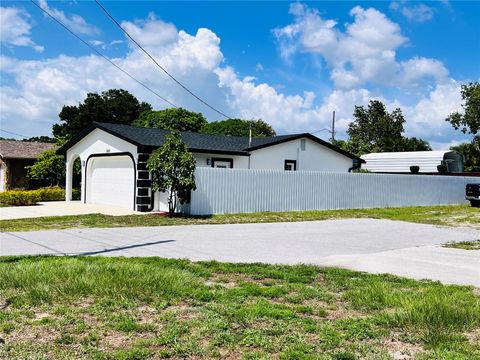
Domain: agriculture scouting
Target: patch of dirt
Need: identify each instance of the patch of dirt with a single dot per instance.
(115, 340)
(184, 311)
(112, 339)
(473, 336)
(342, 313)
(4, 303)
(400, 350)
(85, 302)
(472, 220)
(42, 315)
(227, 285)
(232, 280)
(33, 334)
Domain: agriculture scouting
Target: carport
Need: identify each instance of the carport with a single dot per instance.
(109, 169)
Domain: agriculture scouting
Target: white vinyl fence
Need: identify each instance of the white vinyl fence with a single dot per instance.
(229, 191)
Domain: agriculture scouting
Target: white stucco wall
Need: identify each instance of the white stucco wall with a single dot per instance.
(3, 176)
(160, 202)
(96, 142)
(315, 157)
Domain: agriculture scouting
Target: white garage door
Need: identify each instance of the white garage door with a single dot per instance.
(110, 181)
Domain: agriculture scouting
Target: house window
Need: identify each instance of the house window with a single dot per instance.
(223, 163)
(290, 165)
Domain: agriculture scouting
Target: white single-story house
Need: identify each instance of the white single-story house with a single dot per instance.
(114, 156)
(400, 162)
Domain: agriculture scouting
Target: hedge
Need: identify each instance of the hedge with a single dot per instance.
(19, 197)
(31, 197)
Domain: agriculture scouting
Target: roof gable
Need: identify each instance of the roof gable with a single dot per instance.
(16, 149)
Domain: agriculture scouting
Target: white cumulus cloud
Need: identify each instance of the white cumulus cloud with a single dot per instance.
(38, 89)
(75, 22)
(15, 28)
(415, 13)
(365, 52)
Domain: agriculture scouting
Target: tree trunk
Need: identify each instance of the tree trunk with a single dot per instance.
(171, 205)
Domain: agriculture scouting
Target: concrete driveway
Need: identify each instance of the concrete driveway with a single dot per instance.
(377, 246)
(60, 208)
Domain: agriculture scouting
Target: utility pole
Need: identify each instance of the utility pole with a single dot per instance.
(250, 135)
(333, 127)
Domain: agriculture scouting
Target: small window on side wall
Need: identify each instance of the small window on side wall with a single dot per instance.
(303, 144)
(290, 165)
(223, 163)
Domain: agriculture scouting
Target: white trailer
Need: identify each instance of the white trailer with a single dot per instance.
(400, 162)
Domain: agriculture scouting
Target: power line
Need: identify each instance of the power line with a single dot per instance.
(12, 133)
(156, 62)
(100, 54)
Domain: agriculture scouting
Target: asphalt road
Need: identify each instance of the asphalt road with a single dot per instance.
(377, 246)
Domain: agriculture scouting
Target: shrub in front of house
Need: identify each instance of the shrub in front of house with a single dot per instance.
(51, 193)
(19, 197)
(31, 197)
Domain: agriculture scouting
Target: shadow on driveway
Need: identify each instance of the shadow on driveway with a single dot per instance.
(103, 251)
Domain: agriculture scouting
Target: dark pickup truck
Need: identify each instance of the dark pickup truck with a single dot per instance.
(472, 194)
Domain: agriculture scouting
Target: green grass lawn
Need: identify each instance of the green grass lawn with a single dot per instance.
(464, 245)
(461, 215)
(140, 308)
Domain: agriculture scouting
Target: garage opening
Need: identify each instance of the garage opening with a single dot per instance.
(110, 180)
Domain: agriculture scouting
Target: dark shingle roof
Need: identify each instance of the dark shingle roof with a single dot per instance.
(196, 142)
(12, 149)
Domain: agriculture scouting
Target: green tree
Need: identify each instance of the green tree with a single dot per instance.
(375, 129)
(111, 106)
(173, 170)
(471, 153)
(239, 127)
(44, 139)
(172, 119)
(48, 165)
(469, 121)
(414, 144)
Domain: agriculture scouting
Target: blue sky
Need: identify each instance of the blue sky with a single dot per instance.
(288, 63)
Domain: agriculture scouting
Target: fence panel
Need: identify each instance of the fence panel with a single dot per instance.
(228, 191)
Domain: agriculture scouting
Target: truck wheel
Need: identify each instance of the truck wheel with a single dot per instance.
(475, 203)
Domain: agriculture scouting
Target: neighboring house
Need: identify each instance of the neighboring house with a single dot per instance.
(14, 156)
(400, 162)
(114, 156)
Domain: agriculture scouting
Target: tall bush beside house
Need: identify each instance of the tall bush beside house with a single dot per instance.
(48, 165)
(173, 170)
